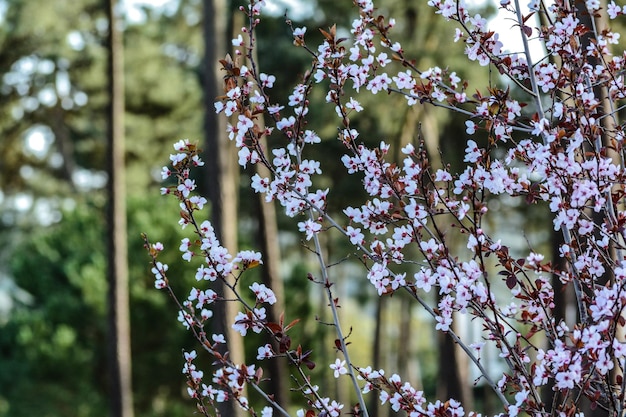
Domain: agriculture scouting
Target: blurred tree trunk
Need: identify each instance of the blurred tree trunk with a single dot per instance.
(270, 273)
(268, 241)
(608, 123)
(118, 309)
(451, 381)
(374, 407)
(404, 342)
(453, 368)
(453, 375)
(564, 300)
(222, 179)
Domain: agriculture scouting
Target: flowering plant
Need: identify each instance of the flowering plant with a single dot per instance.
(561, 147)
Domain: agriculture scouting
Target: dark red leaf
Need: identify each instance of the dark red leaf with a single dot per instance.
(338, 344)
(274, 327)
(511, 281)
(285, 343)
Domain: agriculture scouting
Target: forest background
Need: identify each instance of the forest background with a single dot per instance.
(54, 126)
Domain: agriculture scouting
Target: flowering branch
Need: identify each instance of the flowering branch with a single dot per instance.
(566, 156)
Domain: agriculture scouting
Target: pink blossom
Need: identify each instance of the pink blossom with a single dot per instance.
(310, 228)
(339, 368)
(186, 187)
(265, 352)
(379, 83)
(263, 294)
(299, 32)
(472, 152)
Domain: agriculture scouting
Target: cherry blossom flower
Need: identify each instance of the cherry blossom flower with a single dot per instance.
(263, 294)
(186, 187)
(159, 273)
(265, 352)
(299, 31)
(310, 228)
(238, 41)
(339, 368)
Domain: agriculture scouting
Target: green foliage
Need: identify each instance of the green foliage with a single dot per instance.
(163, 92)
(157, 337)
(56, 347)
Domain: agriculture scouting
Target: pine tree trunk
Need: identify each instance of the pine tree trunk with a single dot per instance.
(608, 124)
(270, 274)
(374, 405)
(222, 179)
(118, 313)
(267, 239)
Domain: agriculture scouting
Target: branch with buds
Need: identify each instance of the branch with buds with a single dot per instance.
(561, 150)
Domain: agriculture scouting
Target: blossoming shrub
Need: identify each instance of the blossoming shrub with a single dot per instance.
(563, 145)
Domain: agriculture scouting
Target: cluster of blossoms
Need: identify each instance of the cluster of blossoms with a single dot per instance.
(562, 149)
